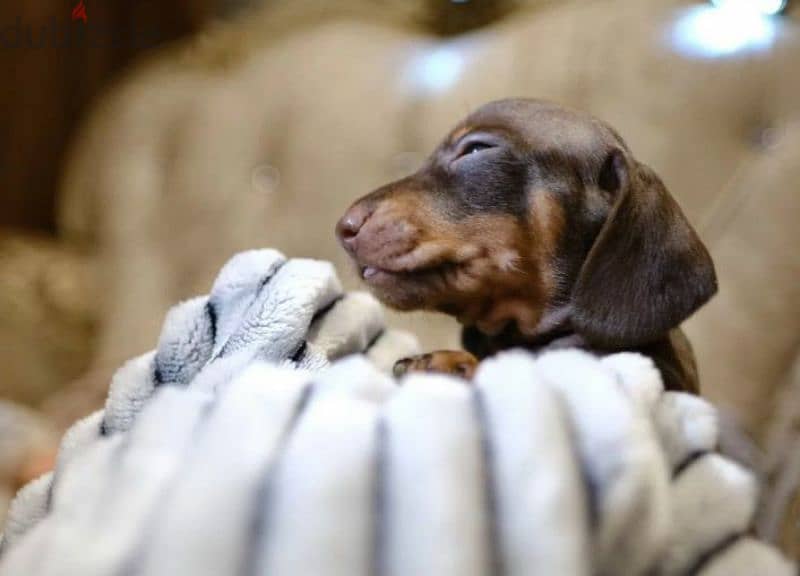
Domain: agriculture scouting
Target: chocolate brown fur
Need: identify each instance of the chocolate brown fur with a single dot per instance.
(535, 227)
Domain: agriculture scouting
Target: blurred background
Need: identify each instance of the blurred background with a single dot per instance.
(142, 144)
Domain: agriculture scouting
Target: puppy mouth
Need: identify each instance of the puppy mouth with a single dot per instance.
(378, 275)
(419, 261)
(411, 281)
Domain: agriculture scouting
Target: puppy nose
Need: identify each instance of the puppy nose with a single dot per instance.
(349, 226)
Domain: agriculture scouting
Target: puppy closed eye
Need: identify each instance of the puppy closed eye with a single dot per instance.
(473, 148)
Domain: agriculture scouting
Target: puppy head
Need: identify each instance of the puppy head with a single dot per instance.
(526, 208)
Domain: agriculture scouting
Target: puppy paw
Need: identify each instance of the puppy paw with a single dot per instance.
(454, 362)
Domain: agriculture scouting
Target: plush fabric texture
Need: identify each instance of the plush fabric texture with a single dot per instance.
(244, 445)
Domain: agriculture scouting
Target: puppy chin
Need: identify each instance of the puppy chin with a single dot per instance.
(402, 294)
(404, 299)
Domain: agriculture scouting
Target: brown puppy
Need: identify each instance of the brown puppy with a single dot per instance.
(535, 227)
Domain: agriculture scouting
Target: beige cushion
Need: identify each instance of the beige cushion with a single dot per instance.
(48, 325)
(748, 336)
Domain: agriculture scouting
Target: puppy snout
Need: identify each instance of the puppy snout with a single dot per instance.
(350, 225)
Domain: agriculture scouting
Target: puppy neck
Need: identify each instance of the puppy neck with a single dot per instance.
(553, 329)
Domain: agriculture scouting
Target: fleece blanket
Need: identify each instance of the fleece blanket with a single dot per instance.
(265, 435)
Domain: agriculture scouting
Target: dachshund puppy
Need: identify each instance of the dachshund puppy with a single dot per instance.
(535, 227)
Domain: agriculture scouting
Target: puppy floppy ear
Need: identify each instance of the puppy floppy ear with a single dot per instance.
(647, 270)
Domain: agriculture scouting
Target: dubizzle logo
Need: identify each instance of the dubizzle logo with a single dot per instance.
(72, 32)
(79, 12)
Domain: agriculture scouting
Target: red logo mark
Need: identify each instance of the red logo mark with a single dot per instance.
(79, 12)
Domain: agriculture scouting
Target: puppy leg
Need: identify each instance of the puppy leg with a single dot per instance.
(455, 362)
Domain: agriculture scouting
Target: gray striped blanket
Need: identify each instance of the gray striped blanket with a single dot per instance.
(264, 435)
